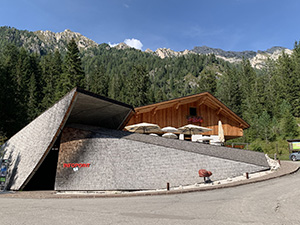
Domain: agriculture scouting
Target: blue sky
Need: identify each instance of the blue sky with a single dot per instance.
(234, 25)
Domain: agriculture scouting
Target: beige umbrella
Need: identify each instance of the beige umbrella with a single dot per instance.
(193, 129)
(143, 128)
(170, 135)
(221, 132)
(169, 129)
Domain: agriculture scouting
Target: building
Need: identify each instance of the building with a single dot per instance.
(200, 109)
(78, 144)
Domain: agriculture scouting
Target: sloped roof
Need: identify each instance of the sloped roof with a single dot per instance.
(202, 98)
(121, 160)
(27, 149)
(234, 154)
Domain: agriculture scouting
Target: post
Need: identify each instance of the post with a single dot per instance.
(247, 175)
(168, 186)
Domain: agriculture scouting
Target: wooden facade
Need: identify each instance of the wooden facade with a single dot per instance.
(200, 109)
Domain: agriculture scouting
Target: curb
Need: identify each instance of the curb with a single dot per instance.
(286, 168)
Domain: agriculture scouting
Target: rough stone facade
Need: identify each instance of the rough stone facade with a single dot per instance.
(119, 163)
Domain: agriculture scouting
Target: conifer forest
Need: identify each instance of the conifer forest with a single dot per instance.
(268, 98)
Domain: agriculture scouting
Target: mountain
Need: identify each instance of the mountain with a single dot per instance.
(59, 40)
(166, 52)
(43, 42)
(222, 53)
(257, 59)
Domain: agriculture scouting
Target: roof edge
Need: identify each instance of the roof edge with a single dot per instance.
(80, 90)
(237, 117)
(60, 128)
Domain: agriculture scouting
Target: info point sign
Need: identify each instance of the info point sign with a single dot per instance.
(73, 165)
(294, 145)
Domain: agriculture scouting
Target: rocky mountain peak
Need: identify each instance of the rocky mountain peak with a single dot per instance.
(47, 41)
(257, 59)
(122, 46)
(166, 52)
(61, 38)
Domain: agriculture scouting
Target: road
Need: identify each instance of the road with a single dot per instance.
(269, 202)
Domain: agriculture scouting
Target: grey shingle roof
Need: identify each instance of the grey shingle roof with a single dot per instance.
(26, 148)
(247, 156)
(125, 161)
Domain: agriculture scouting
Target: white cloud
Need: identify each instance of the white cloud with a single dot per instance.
(134, 43)
(112, 45)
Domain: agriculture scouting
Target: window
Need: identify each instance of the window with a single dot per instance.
(193, 111)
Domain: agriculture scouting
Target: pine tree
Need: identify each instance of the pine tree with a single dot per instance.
(73, 74)
(73, 66)
(99, 81)
(32, 103)
(229, 91)
(207, 81)
(10, 93)
(289, 127)
(248, 86)
(294, 81)
(51, 72)
(115, 87)
(138, 86)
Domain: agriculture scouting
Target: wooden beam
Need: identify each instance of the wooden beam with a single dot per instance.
(202, 102)
(176, 105)
(153, 111)
(219, 111)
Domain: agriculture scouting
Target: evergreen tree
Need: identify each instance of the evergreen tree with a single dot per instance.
(207, 81)
(73, 74)
(294, 82)
(289, 127)
(99, 81)
(138, 86)
(229, 91)
(115, 87)
(248, 90)
(32, 103)
(283, 80)
(51, 72)
(12, 93)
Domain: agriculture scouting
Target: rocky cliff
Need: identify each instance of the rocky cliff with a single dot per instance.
(257, 59)
(48, 41)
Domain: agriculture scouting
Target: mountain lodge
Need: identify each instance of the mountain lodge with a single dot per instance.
(200, 109)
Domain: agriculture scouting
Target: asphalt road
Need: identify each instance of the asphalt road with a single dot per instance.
(270, 202)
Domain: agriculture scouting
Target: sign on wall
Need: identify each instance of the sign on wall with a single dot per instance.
(295, 145)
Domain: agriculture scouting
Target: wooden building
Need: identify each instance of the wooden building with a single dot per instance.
(200, 109)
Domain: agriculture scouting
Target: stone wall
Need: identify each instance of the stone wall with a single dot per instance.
(118, 163)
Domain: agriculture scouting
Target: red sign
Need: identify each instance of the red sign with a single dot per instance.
(73, 165)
